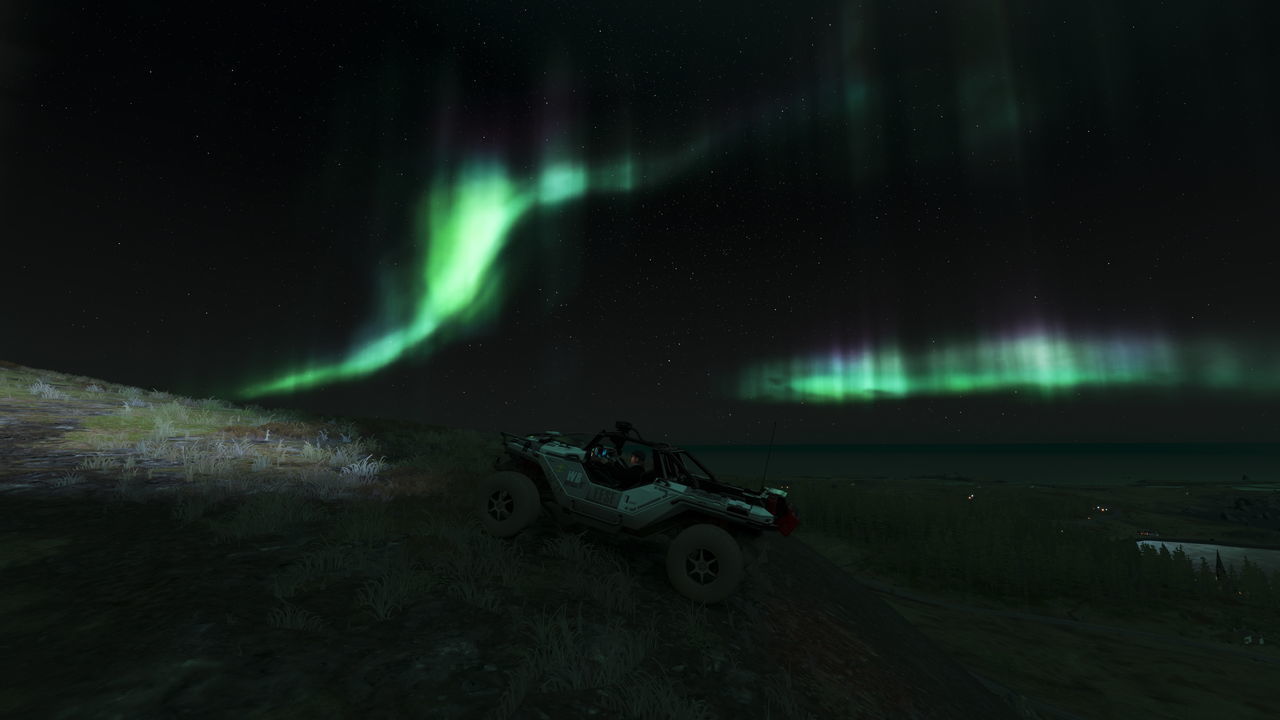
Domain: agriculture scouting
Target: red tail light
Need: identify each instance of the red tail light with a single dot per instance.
(785, 517)
(788, 523)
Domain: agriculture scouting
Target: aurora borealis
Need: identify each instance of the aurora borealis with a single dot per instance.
(1038, 363)
(464, 225)
(955, 222)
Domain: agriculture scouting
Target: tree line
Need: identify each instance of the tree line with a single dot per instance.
(1013, 545)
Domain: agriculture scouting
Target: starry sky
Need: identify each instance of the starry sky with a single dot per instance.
(879, 222)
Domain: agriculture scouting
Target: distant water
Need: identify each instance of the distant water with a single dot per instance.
(1059, 464)
(1268, 560)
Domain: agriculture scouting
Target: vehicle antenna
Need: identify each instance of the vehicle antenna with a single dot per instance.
(770, 455)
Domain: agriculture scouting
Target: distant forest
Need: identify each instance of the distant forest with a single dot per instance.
(1010, 546)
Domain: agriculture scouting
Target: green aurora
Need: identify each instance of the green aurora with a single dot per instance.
(1045, 364)
(466, 218)
(463, 225)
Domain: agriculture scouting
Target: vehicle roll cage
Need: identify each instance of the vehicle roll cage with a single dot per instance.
(625, 432)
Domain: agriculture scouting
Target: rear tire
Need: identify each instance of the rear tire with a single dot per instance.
(704, 563)
(508, 503)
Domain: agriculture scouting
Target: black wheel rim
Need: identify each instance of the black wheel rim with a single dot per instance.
(501, 505)
(702, 566)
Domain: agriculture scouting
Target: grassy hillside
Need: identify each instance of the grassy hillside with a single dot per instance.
(165, 556)
(288, 535)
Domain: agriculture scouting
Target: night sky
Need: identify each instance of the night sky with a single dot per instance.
(919, 222)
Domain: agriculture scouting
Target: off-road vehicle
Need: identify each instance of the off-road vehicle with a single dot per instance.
(618, 482)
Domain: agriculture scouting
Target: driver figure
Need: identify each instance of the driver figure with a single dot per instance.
(635, 467)
(610, 467)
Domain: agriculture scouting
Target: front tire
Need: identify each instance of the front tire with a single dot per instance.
(508, 502)
(704, 563)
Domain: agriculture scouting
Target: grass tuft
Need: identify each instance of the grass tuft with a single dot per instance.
(470, 591)
(212, 403)
(322, 483)
(391, 591)
(518, 682)
(295, 618)
(68, 478)
(315, 453)
(781, 694)
(364, 470)
(575, 655)
(97, 462)
(127, 487)
(694, 629)
(163, 427)
(46, 391)
(365, 523)
(482, 558)
(315, 570)
(571, 547)
(191, 507)
(266, 513)
(654, 697)
(617, 591)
